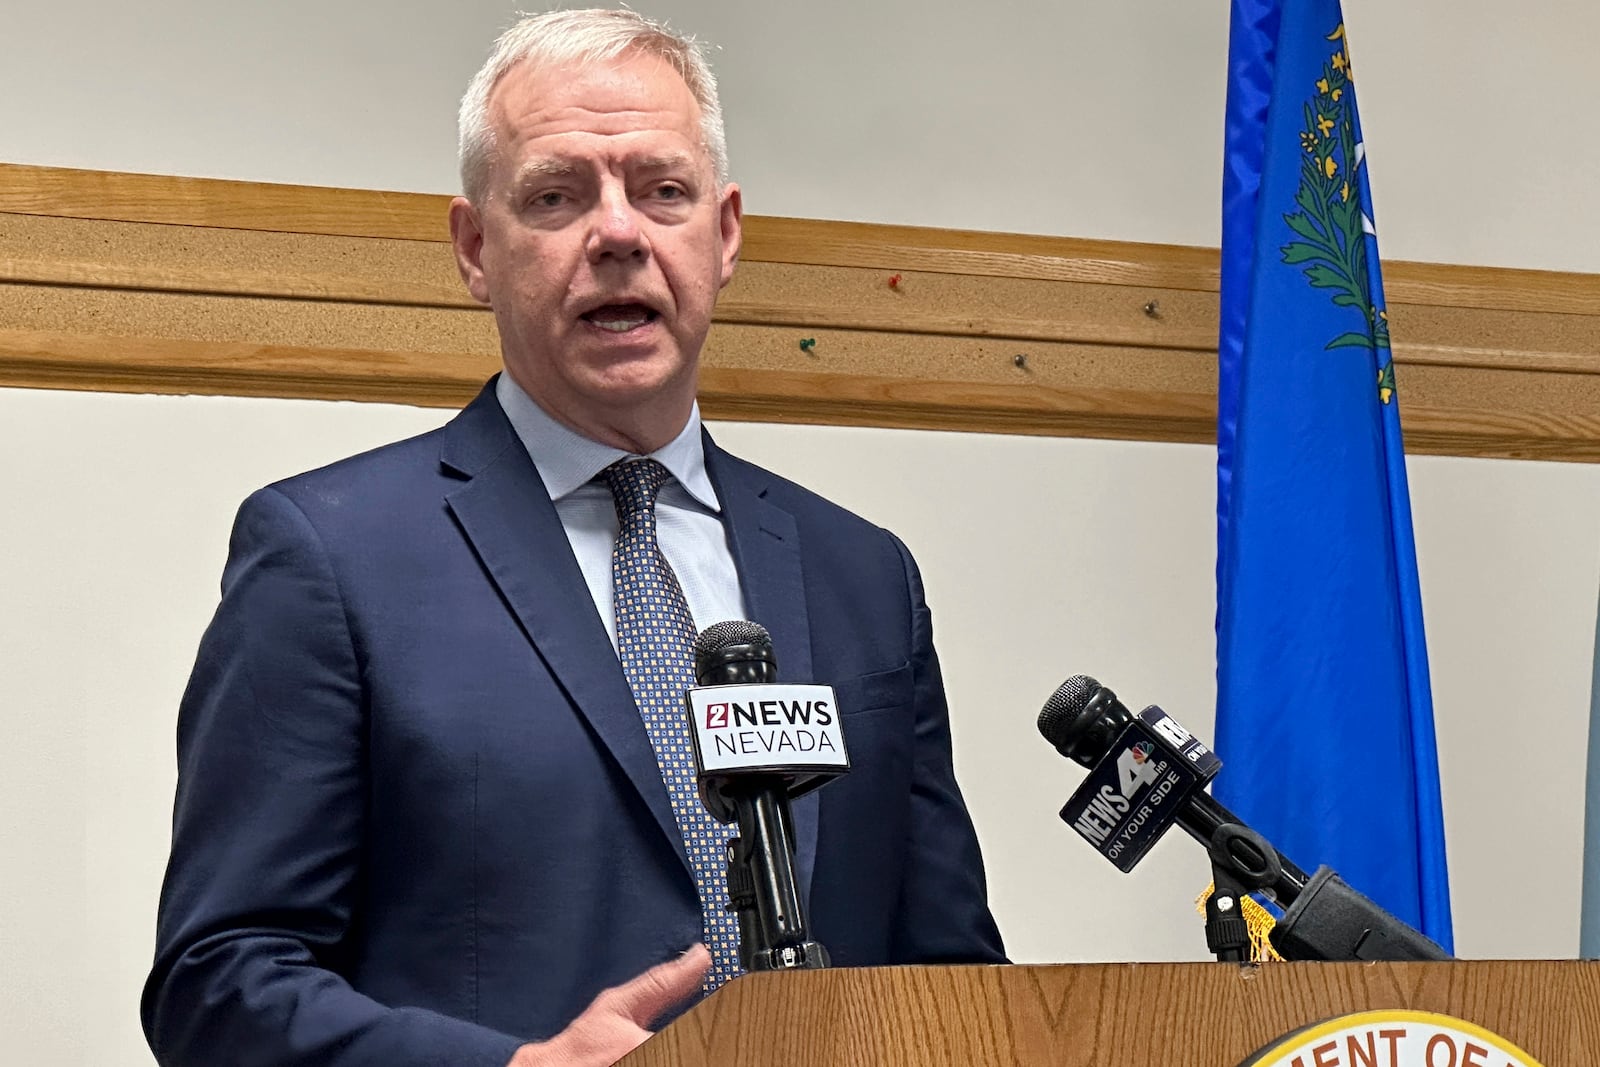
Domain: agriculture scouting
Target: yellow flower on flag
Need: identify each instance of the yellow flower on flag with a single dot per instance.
(1329, 167)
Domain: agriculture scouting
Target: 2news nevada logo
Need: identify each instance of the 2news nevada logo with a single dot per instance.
(749, 727)
(810, 710)
(716, 716)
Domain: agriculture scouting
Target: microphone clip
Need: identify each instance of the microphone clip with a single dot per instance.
(1242, 862)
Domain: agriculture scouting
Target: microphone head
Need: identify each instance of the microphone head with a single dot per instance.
(1082, 718)
(1065, 707)
(720, 635)
(733, 652)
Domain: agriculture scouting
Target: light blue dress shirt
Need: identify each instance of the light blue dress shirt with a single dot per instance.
(688, 513)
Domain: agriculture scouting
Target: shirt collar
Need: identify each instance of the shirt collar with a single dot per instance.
(568, 460)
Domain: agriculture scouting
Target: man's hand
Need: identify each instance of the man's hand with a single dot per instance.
(614, 1023)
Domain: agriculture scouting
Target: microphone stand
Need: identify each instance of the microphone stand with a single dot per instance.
(1241, 862)
(1323, 919)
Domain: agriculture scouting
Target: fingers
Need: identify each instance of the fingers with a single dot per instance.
(618, 1020)
(664, 986)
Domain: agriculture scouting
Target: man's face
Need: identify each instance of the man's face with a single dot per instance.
(601, 245)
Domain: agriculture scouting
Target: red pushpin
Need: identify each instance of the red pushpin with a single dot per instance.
(894, 281)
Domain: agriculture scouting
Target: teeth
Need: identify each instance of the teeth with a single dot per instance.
(619, 325)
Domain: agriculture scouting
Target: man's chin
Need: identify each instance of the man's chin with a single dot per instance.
(652, 402)
(639, 383)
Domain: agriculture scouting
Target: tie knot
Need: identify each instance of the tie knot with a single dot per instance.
(634, 484)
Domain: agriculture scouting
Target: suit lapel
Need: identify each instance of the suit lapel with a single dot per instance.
(766, 549)
(505, 511)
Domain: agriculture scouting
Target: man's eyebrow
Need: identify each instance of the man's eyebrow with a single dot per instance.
(539, 168)
(670, 161)
(543, 167)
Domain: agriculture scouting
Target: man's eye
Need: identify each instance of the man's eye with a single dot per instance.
(550, 199)
(670, 192)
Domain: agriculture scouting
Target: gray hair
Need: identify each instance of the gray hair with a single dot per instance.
(595, 35)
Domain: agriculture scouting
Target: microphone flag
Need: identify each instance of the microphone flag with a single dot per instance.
(768, 729)
(1323, 701)
(1137, 789)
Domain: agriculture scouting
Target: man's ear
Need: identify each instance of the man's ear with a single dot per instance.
(466, 238)
(730, 216)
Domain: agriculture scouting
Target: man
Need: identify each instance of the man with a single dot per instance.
(430, 808)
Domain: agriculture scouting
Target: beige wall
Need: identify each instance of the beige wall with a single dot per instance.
(1087, 120)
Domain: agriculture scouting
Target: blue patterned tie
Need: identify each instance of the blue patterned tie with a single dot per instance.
(655, 641)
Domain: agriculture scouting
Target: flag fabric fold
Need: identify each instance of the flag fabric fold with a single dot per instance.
(1323, 705)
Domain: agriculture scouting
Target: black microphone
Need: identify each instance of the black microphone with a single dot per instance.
(757, 744)
(1084, 720)
(736, 652)
(750, 726)
(1135, 758)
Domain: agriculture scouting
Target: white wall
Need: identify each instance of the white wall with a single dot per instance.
(1082, 119)
(1086, 119)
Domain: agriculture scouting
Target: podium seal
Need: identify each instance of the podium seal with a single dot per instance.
(1392, 1039)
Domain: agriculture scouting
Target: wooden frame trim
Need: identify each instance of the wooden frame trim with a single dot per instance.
(1492, 362)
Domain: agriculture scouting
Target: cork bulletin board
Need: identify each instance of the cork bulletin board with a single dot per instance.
(143, 283)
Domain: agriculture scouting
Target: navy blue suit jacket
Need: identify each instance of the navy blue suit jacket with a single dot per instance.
(418, 820)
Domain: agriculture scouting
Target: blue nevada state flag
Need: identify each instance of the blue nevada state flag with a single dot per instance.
(1323, 708)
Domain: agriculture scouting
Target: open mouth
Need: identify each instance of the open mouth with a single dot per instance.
(620, 318)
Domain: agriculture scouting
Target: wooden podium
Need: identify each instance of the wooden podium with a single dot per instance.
(1112, 1015)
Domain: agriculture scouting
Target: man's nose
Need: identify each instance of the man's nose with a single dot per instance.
(616, 231)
